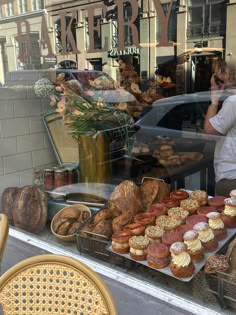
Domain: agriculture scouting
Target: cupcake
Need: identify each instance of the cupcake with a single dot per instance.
(206, 236)
(228, 215)
(158, 255)
(178, 213)
(181, 264)
(190, 205)
(217, 225)
(154, 233)
(135, 229)
(194, 245)
(138, 247)
(171, 237)
(120, 242)
(200, 196)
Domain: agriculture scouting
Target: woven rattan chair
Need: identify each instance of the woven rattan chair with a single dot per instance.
(54, 284)
(4, 228)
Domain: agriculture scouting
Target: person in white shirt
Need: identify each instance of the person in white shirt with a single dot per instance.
(222, 123)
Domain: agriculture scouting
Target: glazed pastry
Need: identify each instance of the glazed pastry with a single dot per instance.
(205, 209)
(135, 228)
(200, 196)
(206, 236)
(194, 245)
(179, 194)
(181, 265)
(157, 209)
(158, 256)
(178, 213)
(217, 225)
(138, 247)
(228, 215)
(217, 202)
(170, 202)
(171, 237)
(195, 218)
(183, 228)
(216, 263)
(120, 242)
(190, 205)
(145, 219)
(154, 233)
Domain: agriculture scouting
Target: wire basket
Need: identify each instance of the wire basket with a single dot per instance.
(95, 245)
(223, 286)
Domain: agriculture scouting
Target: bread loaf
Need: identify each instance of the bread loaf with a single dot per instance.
(231, 255)
(8, 197)
(30, 209)
(126, 196)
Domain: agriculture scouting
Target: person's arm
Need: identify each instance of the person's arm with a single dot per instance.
(211, 112)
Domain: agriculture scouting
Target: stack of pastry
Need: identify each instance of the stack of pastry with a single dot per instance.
(167, 156)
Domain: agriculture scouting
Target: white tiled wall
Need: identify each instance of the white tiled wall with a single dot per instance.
(23, 140)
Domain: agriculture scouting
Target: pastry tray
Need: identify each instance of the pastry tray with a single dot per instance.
(198, 265)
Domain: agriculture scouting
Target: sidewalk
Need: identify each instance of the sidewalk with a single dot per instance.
(129, 301)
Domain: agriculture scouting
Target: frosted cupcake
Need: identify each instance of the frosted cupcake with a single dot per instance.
(206, 236)
(194, 245)
(217, 225)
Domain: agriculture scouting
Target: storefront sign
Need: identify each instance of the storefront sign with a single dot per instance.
(113, 53)
(122, 24)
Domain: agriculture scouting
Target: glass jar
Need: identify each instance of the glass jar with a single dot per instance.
(48, 179)
(59, 178)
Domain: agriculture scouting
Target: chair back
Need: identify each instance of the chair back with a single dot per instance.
(54, 284)
(4, 228)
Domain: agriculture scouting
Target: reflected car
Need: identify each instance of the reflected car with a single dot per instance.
(180, 116)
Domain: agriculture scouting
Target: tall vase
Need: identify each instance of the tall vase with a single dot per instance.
(94, 158)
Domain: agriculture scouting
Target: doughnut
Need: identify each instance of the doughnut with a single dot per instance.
(179, 194)
(200, 196)
(171, 237)
(183, 228)
(178, 213)
(120, 242)
(205, 210)
(138, 247)
(217, 202)
(167, 223)
(154, 233)
(145, 218)
(157, 209)
(158, 256)
(190, 205)
(135, 228)
(170, 202)
(195, 218)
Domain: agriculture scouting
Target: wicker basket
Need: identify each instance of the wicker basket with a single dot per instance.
(71, 237)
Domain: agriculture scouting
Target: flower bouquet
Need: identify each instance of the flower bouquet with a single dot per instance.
(94, 125)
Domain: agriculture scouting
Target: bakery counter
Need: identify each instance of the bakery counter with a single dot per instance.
(193, 296)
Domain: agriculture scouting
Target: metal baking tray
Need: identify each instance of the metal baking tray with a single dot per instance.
(198, 265)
